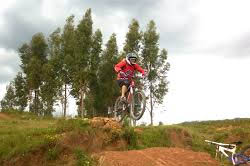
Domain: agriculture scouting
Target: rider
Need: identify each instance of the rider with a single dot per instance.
(125, 70)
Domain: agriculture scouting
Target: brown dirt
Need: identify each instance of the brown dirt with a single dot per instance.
(105, 123)
(156, 157)
(4, 116)
(179, 138)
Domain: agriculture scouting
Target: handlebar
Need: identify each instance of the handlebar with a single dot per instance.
(219, 144)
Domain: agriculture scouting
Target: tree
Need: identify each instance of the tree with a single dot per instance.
(156, 65)
(52, 72)
(21, 91)
(50, 86)
(25, 56)
(66, 59)
(108, 91)
(133, 38)
(9, 100)
(81, 59)
(36, 58)
(93, 71)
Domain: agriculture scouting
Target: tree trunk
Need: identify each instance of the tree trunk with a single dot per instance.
(35, 103)
(81, 103)
(151, 105)
(65, 100)
(30, 99)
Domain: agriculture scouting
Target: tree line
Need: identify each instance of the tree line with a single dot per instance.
(73, 61)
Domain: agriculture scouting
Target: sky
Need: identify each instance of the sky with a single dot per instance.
(208, 45)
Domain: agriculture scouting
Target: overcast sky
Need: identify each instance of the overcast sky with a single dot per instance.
(208, 44)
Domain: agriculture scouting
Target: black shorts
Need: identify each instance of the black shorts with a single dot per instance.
(122, 82)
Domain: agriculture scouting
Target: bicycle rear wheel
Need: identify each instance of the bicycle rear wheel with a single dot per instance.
(138, 105)
(245, 152)
(119, 113)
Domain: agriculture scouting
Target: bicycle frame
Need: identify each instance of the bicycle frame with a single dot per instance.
(131, 91)
(220, 147)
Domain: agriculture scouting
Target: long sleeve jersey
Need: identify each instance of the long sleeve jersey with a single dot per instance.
(127, 69)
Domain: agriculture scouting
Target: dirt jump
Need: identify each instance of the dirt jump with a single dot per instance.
(156, 157)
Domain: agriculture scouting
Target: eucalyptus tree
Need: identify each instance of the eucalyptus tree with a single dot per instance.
(133, 38)
(9, 100)
(33, 56)
(93, 74)
(82, 53)
(108, 91)
(155, 61)
(21, 91)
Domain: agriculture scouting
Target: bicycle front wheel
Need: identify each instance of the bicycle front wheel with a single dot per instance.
(119, 113)
(138, 105)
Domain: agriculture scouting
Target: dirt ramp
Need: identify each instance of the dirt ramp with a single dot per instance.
(156, 157)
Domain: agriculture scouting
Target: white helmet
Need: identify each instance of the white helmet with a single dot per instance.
(131, 58)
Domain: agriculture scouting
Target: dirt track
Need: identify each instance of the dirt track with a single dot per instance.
(3, 116)
(156, 157)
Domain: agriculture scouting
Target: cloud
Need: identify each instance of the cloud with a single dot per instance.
(23, 19)
(9, 65)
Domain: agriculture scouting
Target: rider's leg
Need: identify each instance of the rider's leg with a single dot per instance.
(124, 90)
(123, 83)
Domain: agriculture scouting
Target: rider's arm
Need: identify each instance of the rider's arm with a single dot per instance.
(138, 68)
(118, 67)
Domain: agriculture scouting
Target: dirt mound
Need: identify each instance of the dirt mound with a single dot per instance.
(105, 123)
(179, 138)
(104, 135)
(4, 116)
(156, 157)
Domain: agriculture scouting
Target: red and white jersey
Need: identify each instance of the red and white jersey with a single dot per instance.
(127, 69)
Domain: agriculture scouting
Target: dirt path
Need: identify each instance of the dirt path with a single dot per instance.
(3, 116)
(156, 157)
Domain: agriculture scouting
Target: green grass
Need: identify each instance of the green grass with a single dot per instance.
(23, 133)
(20, 136)
(154, 137)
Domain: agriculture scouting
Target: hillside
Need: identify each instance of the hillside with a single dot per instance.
(29, 140)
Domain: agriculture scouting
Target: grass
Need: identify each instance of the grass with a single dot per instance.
(18, 136)
(23, 133)
(154, 137)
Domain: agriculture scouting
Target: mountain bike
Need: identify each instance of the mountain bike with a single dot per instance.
(240, 159)
(134, 106)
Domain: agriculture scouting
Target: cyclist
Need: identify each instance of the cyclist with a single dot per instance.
(125, 70)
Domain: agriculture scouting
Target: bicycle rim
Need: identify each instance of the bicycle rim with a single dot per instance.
(246, 152)
(119, 114)
(138, 105)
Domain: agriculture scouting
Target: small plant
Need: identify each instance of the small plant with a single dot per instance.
(53, 153)
(82, 158)
(131, 137)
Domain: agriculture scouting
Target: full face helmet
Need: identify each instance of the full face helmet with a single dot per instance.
(131, 58)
